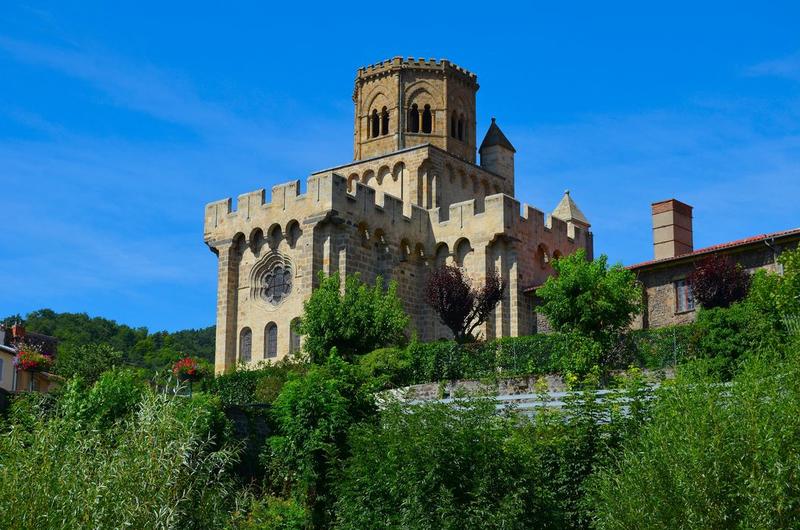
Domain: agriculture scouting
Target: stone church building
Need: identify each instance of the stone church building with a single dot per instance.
(413, 198)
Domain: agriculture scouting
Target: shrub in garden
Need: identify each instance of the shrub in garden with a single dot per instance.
(87, 361)
(355, 321)
(115, 395)
(717, 281)
(388, 367)
(461, 306)
(728, 333)
(712, 456)
(156, 464)
(778, 295)
(313, 414)
(271, 513)
(589, 297)
(244, 385)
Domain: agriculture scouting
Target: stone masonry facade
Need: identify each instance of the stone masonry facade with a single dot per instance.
(412, 199)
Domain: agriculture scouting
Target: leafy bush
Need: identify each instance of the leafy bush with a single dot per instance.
(713, 456)
(778, 295)
(259, 384)
(113, 397)
(728, 333)
(87, 361)
(655, 348)
(717, 281)
(388, 367)
(313, 413)
(158, 465)
(356, 321)
(270, 513)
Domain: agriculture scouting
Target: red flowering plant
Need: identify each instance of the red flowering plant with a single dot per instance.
(188, 369)
(30, 360)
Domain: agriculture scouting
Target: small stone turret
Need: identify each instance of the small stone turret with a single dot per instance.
(569, 212)
(497, 153)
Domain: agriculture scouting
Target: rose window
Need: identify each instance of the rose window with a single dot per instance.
(276, 284)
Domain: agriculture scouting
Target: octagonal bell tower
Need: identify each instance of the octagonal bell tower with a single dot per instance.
(401, 103)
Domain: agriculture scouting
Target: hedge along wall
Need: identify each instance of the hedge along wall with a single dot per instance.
(542, 353)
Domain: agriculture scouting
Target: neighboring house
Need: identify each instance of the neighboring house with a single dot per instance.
(14, 380)
(667, 294)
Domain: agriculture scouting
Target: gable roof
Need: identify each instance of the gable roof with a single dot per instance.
(494, 136)
(721, 246)
(567, 210)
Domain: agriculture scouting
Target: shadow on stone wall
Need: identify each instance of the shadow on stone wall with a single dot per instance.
(251, 426)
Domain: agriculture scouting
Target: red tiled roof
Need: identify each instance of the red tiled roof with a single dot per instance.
(721, 246)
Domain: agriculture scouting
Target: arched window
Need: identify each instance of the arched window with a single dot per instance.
(462, 249)
(413, 118)
(293, 232)
(453, 125)
(427, 119)
(461, 127)
(245, 345)
(384, 121)
(294, 336)
(375, 124)
(271, 340)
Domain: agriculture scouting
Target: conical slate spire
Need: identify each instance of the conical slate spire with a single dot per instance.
(568, 211)
(494, 136)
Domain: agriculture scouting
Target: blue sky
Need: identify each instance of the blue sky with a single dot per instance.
(119, 122)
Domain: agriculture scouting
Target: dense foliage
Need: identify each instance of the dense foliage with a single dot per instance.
(314, 413)
(87, 361)
(76, 331)
(589, 297)
(461, 306)
(713, 456)
(440, 466)
(254, 384)
(718, 281)
(777, 296)
(114, 455)
(529, 355)
(355, 320)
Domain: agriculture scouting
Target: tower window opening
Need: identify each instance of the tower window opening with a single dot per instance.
(374, 124)
(384, 121)
(413, 118)
(427, 119)
(453, 125)
(461, 127)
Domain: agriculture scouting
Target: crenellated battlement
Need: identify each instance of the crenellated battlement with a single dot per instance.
(397, 63)
(327, 193)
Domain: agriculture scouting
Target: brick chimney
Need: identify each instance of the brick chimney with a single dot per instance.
(18, 331)
(672, 228)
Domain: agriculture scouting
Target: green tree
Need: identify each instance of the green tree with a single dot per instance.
(314, 413)
(590, 297)
(87, 361)
(355, 321)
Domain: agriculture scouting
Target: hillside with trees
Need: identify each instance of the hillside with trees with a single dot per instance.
(137, 346)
